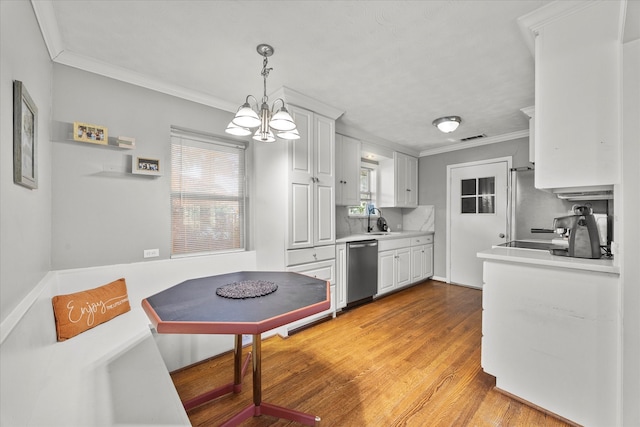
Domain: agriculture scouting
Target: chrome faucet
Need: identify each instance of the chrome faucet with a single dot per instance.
(371, 210)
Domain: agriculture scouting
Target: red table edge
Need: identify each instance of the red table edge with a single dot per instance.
(233, 328)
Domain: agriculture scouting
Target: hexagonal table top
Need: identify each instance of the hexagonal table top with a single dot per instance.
(193, 307)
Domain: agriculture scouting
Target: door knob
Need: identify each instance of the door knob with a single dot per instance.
(501, 235)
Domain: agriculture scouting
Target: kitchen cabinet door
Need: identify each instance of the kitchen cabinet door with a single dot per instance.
(311, 181)
(398, 181)
(347, 171)
(418, 263)
(403, 267)
(577, 97)
(386, 271)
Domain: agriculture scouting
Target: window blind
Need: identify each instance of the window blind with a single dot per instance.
(207, 195)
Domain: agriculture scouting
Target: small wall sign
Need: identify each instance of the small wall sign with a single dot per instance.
(146, 166)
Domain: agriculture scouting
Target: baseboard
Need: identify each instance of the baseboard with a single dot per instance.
(539, 408)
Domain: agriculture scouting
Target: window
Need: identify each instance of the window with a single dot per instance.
(478, 195)
(207, 195)
(367, 191)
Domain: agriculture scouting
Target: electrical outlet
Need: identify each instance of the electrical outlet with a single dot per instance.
(150, 253)
(399, 227)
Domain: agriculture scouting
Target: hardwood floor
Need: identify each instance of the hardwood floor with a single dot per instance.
(409, 359)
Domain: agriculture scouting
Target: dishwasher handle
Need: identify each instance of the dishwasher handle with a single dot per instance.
(363, 245)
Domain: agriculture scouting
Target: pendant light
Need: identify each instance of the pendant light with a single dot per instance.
(269, 124)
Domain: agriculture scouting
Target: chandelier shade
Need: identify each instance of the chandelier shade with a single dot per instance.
(447, 124)
(247, 117)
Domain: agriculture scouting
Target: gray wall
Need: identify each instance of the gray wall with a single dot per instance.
(101, 213)
(432, 173)
(25, 215)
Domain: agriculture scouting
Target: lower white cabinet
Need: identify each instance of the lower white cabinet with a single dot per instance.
(324, 268)
(402, 262)
(421, 258)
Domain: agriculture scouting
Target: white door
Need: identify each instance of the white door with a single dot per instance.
(477, 216)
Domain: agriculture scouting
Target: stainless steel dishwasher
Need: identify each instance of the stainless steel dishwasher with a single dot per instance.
(362, 271)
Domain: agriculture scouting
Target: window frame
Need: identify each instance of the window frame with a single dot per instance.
(199, 139)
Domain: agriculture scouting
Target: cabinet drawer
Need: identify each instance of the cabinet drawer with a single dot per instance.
(303, 256)
(385, 245)
(422, 240)
(324, 270)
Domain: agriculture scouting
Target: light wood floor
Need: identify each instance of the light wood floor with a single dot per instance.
(409, 359)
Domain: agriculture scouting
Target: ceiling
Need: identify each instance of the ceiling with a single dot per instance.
(392, 66)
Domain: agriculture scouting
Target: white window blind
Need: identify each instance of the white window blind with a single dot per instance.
(207, 195)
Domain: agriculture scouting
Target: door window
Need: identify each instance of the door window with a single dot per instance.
(478, 195)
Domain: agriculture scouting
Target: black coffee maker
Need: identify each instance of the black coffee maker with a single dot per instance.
(582, 229)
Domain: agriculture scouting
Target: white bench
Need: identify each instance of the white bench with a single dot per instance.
(115, 373)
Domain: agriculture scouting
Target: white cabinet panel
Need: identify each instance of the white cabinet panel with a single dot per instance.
(347, 171)
(577, 107)
(398, 181)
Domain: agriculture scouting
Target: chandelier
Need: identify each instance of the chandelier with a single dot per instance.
(280, 124)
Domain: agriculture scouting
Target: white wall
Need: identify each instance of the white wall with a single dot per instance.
(631, 234)
(102, 214)
(432, 173)
(25, 215)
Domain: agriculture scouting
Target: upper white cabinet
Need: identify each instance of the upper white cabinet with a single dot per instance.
(398, 181)
(347, 171)
(577, 93)
(311, 181)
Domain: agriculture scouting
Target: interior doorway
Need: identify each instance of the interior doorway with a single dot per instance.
(477, 203)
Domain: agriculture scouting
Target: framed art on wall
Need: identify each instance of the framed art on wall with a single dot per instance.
(25, 138)
(94, 134)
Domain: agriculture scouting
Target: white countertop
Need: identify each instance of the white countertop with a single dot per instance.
(387, 236)
(544, 258)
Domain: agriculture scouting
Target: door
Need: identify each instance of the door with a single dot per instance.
(477, 216)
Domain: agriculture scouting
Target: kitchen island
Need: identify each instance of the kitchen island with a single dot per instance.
(551, 332)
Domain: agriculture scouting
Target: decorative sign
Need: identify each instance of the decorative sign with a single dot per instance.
(146, 166)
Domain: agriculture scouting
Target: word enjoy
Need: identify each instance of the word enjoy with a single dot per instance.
(90, 310)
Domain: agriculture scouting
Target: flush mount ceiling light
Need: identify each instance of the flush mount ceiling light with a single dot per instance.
(447, 124)
(280, 124)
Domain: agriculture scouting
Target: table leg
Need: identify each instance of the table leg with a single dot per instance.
(239, 369)
(262, 408)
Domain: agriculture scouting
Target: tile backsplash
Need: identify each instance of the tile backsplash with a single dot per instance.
(407, 219)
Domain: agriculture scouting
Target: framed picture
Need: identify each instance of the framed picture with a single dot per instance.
(94, 134)
(146, 166)
(25, 137)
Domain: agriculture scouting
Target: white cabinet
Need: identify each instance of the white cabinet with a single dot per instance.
(421, 258)
(394, 264)
(347, 171)
(398, 181)
(311, 181)
(577, 95)
(550, 337)
(341, 276)
(324, 270)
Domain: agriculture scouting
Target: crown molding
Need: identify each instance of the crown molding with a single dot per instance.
(531, 23)
(138, 79)
(476, 143)
(293, 97)
(53, 40)
(48, 24)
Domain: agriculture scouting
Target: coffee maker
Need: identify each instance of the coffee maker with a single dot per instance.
(582, 232)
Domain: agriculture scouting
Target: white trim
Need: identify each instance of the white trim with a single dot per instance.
(25, 304)
(509, 160)
(293, 97)
(476, 143)
(48, 26)
(52, 37)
